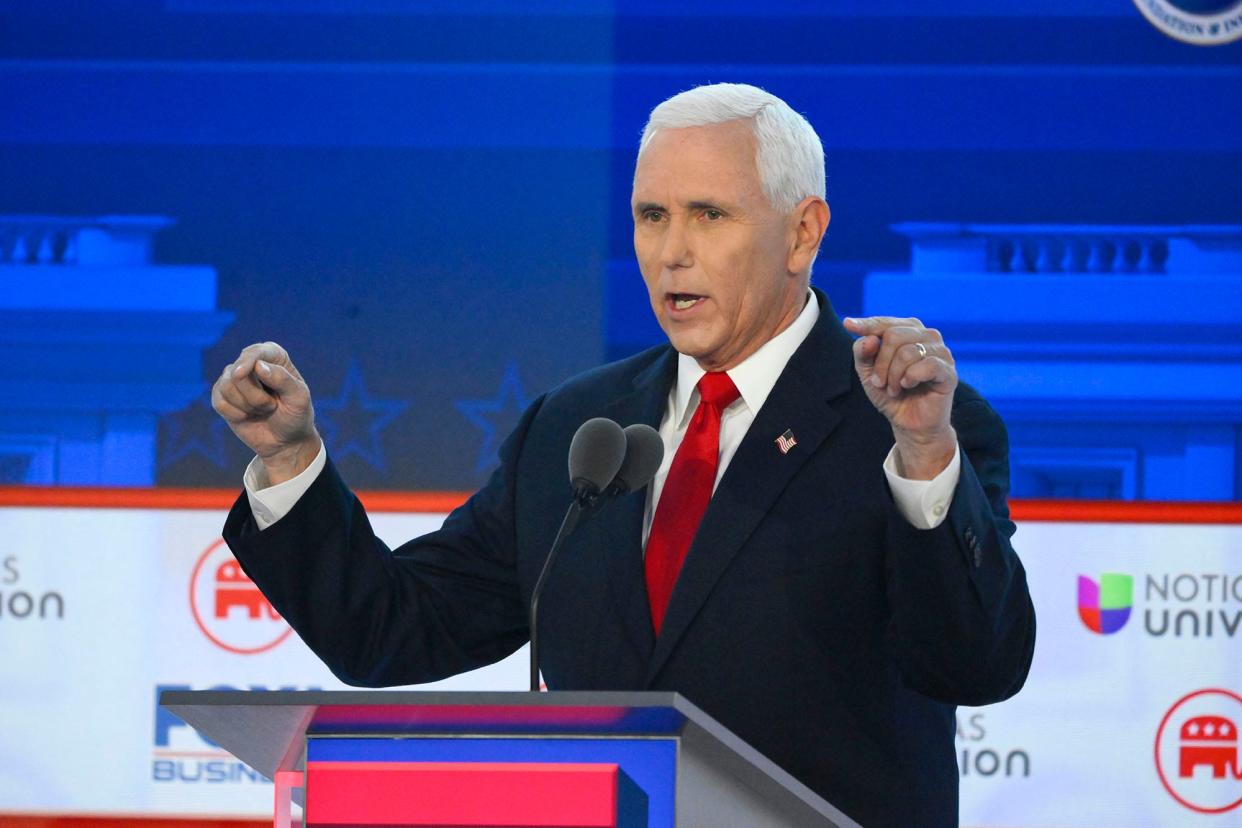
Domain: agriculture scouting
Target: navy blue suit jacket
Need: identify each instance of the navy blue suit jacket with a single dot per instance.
(810, 617)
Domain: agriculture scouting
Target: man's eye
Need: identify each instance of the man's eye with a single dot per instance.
(653, 216)
(713, 215)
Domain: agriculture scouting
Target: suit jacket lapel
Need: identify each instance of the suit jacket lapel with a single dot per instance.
(621, 523)
(819, 371)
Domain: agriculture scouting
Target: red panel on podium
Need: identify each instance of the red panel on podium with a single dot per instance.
(474, 794)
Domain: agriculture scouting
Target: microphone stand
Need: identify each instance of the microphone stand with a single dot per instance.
(582, 501)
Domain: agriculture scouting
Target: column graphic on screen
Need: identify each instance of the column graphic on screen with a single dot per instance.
(1104, 607)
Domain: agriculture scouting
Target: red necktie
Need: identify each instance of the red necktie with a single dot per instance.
(686, 492)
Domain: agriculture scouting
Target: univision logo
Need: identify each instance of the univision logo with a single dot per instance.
(1104, 607)
(1183, 605)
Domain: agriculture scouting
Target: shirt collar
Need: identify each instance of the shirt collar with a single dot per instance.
(754, 376)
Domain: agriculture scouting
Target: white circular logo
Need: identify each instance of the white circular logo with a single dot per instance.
(229, 608)
(1197, 751)
(1200, 22)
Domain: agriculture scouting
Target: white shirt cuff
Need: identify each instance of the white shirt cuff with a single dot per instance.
(270, 503)
(924, 503)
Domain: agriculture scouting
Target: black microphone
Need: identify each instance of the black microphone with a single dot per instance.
(644, 451)
(596, 454)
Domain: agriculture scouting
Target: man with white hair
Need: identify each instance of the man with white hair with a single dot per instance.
(822, 562)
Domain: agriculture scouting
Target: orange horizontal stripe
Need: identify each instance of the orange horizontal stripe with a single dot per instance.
(1125, 511)
(1073, 511)
(110, 497)
(440, 502)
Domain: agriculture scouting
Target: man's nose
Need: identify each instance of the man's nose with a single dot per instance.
(676, 251)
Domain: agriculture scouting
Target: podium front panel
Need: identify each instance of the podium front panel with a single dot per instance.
(651, 762)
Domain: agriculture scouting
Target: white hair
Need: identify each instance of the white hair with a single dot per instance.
(789, 156)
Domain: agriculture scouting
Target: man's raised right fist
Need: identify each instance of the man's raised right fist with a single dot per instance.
(266, 402)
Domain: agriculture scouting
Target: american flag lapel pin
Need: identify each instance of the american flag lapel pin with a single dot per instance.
(786, 441)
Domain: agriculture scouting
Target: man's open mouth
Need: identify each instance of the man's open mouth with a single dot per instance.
(684, 301)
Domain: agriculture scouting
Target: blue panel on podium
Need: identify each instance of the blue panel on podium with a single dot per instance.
(445, 719)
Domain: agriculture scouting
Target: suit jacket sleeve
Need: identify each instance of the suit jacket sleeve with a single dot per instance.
(434, 607)
(963, 626)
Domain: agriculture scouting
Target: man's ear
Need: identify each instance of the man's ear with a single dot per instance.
(809, 222)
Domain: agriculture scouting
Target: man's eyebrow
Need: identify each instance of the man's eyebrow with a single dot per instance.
(644, 206)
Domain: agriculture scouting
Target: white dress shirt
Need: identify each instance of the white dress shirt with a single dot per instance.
(922, 502)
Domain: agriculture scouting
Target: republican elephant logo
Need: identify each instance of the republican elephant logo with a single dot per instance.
(1210, 741)
(228, 607)
(1197, 751)
(234, 589)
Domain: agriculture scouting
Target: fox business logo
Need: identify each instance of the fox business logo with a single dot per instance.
(229, 609)
(180, 754)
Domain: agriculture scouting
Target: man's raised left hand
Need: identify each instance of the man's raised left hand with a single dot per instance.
(909, 376)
